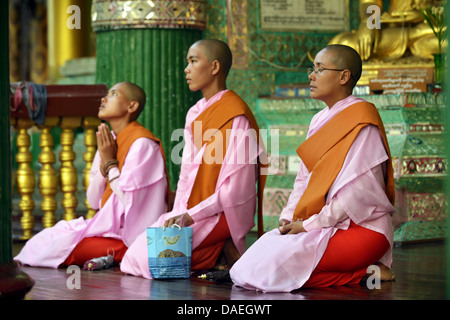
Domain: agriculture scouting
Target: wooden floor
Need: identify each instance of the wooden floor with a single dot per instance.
(420, 275)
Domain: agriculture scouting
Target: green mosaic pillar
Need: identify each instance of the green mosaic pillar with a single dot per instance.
(146, 43)
(13, 283)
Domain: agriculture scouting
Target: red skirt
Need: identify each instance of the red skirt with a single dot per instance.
(206, 254)
(203, 257)
(348, 254)
(96, 247)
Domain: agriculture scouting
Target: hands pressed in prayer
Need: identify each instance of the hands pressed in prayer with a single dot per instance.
(183, 220)
(288, 227)
(107, 146)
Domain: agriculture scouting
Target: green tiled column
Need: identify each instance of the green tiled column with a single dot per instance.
(155, 59)
(146, 42)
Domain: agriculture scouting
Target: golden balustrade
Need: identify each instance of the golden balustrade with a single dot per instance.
(68, 107)
(48, 182)
(26, 181)
(68, 173)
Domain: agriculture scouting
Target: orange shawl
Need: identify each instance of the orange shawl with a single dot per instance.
(324, 153)
(219, 116)
(125, 139)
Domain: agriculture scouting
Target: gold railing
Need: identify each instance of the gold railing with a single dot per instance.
(69, 107)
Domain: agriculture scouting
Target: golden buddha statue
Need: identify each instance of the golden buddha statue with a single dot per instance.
(402, 27)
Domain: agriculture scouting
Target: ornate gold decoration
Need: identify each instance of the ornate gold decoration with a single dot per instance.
(68, 172)
(90, 140)
(48, 180)
(26, 181)
(117, 14)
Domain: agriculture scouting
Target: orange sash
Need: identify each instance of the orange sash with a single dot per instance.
(125, 139)
(219, 117)
(324, 153)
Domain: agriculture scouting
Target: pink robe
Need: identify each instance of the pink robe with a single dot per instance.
(138, 199)
(282, 263)
(235, 192)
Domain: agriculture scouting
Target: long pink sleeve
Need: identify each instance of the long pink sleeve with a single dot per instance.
(242, 182)
(300, 184)
(235, 190)
(337, 210)
(97, 184)
(114, 176)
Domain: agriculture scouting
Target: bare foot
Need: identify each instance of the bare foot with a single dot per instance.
(385, 273)
(231, 252)
(228, 256)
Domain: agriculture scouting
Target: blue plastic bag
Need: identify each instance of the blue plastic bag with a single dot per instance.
(169, 252)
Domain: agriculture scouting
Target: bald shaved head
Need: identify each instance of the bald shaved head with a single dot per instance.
(135, 93)
(345, 57)
(217, 50)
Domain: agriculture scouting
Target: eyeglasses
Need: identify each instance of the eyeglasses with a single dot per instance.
(318, 70)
